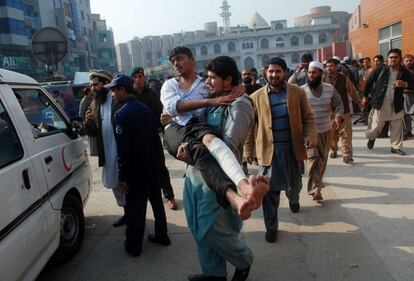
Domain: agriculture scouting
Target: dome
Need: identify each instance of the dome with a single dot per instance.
(257, 21)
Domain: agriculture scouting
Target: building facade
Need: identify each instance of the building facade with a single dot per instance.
(379, 25)
(20, 19)
(250, 45)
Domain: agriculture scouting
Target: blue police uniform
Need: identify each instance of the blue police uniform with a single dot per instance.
(138, 147)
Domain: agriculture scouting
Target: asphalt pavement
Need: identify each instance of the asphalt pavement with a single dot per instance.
(363, 230)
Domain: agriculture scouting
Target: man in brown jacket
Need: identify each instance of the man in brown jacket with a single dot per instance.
(346, 89)
(285, 128)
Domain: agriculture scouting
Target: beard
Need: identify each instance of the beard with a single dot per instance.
(315, 83)
(247, 81)
(100, 96)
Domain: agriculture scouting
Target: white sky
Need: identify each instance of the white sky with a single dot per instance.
(130, 18)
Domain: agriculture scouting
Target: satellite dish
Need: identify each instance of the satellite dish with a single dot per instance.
(50, 46)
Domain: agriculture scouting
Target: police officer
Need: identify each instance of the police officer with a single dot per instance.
(137, 166)
(151, 98)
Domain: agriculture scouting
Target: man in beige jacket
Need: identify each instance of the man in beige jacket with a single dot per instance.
(285, 128)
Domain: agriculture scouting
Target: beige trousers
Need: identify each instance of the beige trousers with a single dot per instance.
(317, 161)
(343, 136)
(396, 129)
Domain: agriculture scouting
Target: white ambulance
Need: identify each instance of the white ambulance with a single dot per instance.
(45, 179)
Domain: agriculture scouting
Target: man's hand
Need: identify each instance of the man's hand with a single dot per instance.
(88, 115)
(183, 154)
(400, 84)
(338, 121)
(222, 101)
(309, 144)
(122, 187)
(165, 118)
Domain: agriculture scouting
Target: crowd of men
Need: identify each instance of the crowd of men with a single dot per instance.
(286, 122)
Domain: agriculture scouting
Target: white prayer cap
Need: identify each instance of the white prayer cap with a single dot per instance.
(336, 58)
(316, 64)
(346, 58)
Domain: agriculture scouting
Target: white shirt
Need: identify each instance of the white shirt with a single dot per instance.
(110, 169)
(171, 94)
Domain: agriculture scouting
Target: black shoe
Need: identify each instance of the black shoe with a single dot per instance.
(202, 277)
(241, 274)
(271, 236)
(165, 241)
(370, 143)
(333, 154)
(119, 222)
(133, 253)
(397, 151)
(409, 135)
(294, 207)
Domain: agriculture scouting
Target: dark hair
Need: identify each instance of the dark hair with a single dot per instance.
(253, 69)
(306, 57)
(334, 61)
(86, 90)
(224, 66)
(366, 58)
(278, 61)
(396, 51)
(408, 56)
(180, 50)
(380, 57)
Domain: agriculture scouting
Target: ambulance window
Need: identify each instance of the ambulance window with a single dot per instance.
(10, 147)
(45, 118)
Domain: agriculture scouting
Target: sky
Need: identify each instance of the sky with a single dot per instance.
(130, 18)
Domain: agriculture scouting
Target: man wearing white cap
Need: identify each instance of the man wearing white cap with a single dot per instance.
(325, 102)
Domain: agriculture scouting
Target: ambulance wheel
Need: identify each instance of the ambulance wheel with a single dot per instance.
(72, 229)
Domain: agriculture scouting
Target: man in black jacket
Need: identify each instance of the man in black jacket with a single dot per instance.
(388, 100)
(151, 98)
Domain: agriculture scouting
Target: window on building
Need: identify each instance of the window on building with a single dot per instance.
(103, 37)
(265, 59)
(308, 39)
(247, 45)
(390, 37)
(231, 47)
(323, 39)
(82, 15)
(248, 63)
(203, 50)
(279, 26)
(280, 42)
(217, 48)
(294, 41)
(295, 58)
(264, 44)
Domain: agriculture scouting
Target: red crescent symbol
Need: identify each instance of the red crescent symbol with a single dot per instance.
(67, 168)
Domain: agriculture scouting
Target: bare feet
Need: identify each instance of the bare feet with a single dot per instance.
(260, 186)
(243, 206)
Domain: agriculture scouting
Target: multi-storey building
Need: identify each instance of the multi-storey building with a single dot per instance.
(104, 38)
(251, 45)
(379, 25)
(20, 19)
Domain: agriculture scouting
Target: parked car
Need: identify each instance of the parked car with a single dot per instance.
(45, 179)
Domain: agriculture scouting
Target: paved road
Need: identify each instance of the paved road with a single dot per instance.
(363, 230)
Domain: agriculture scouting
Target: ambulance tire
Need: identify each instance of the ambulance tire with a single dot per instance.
(72, 229)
